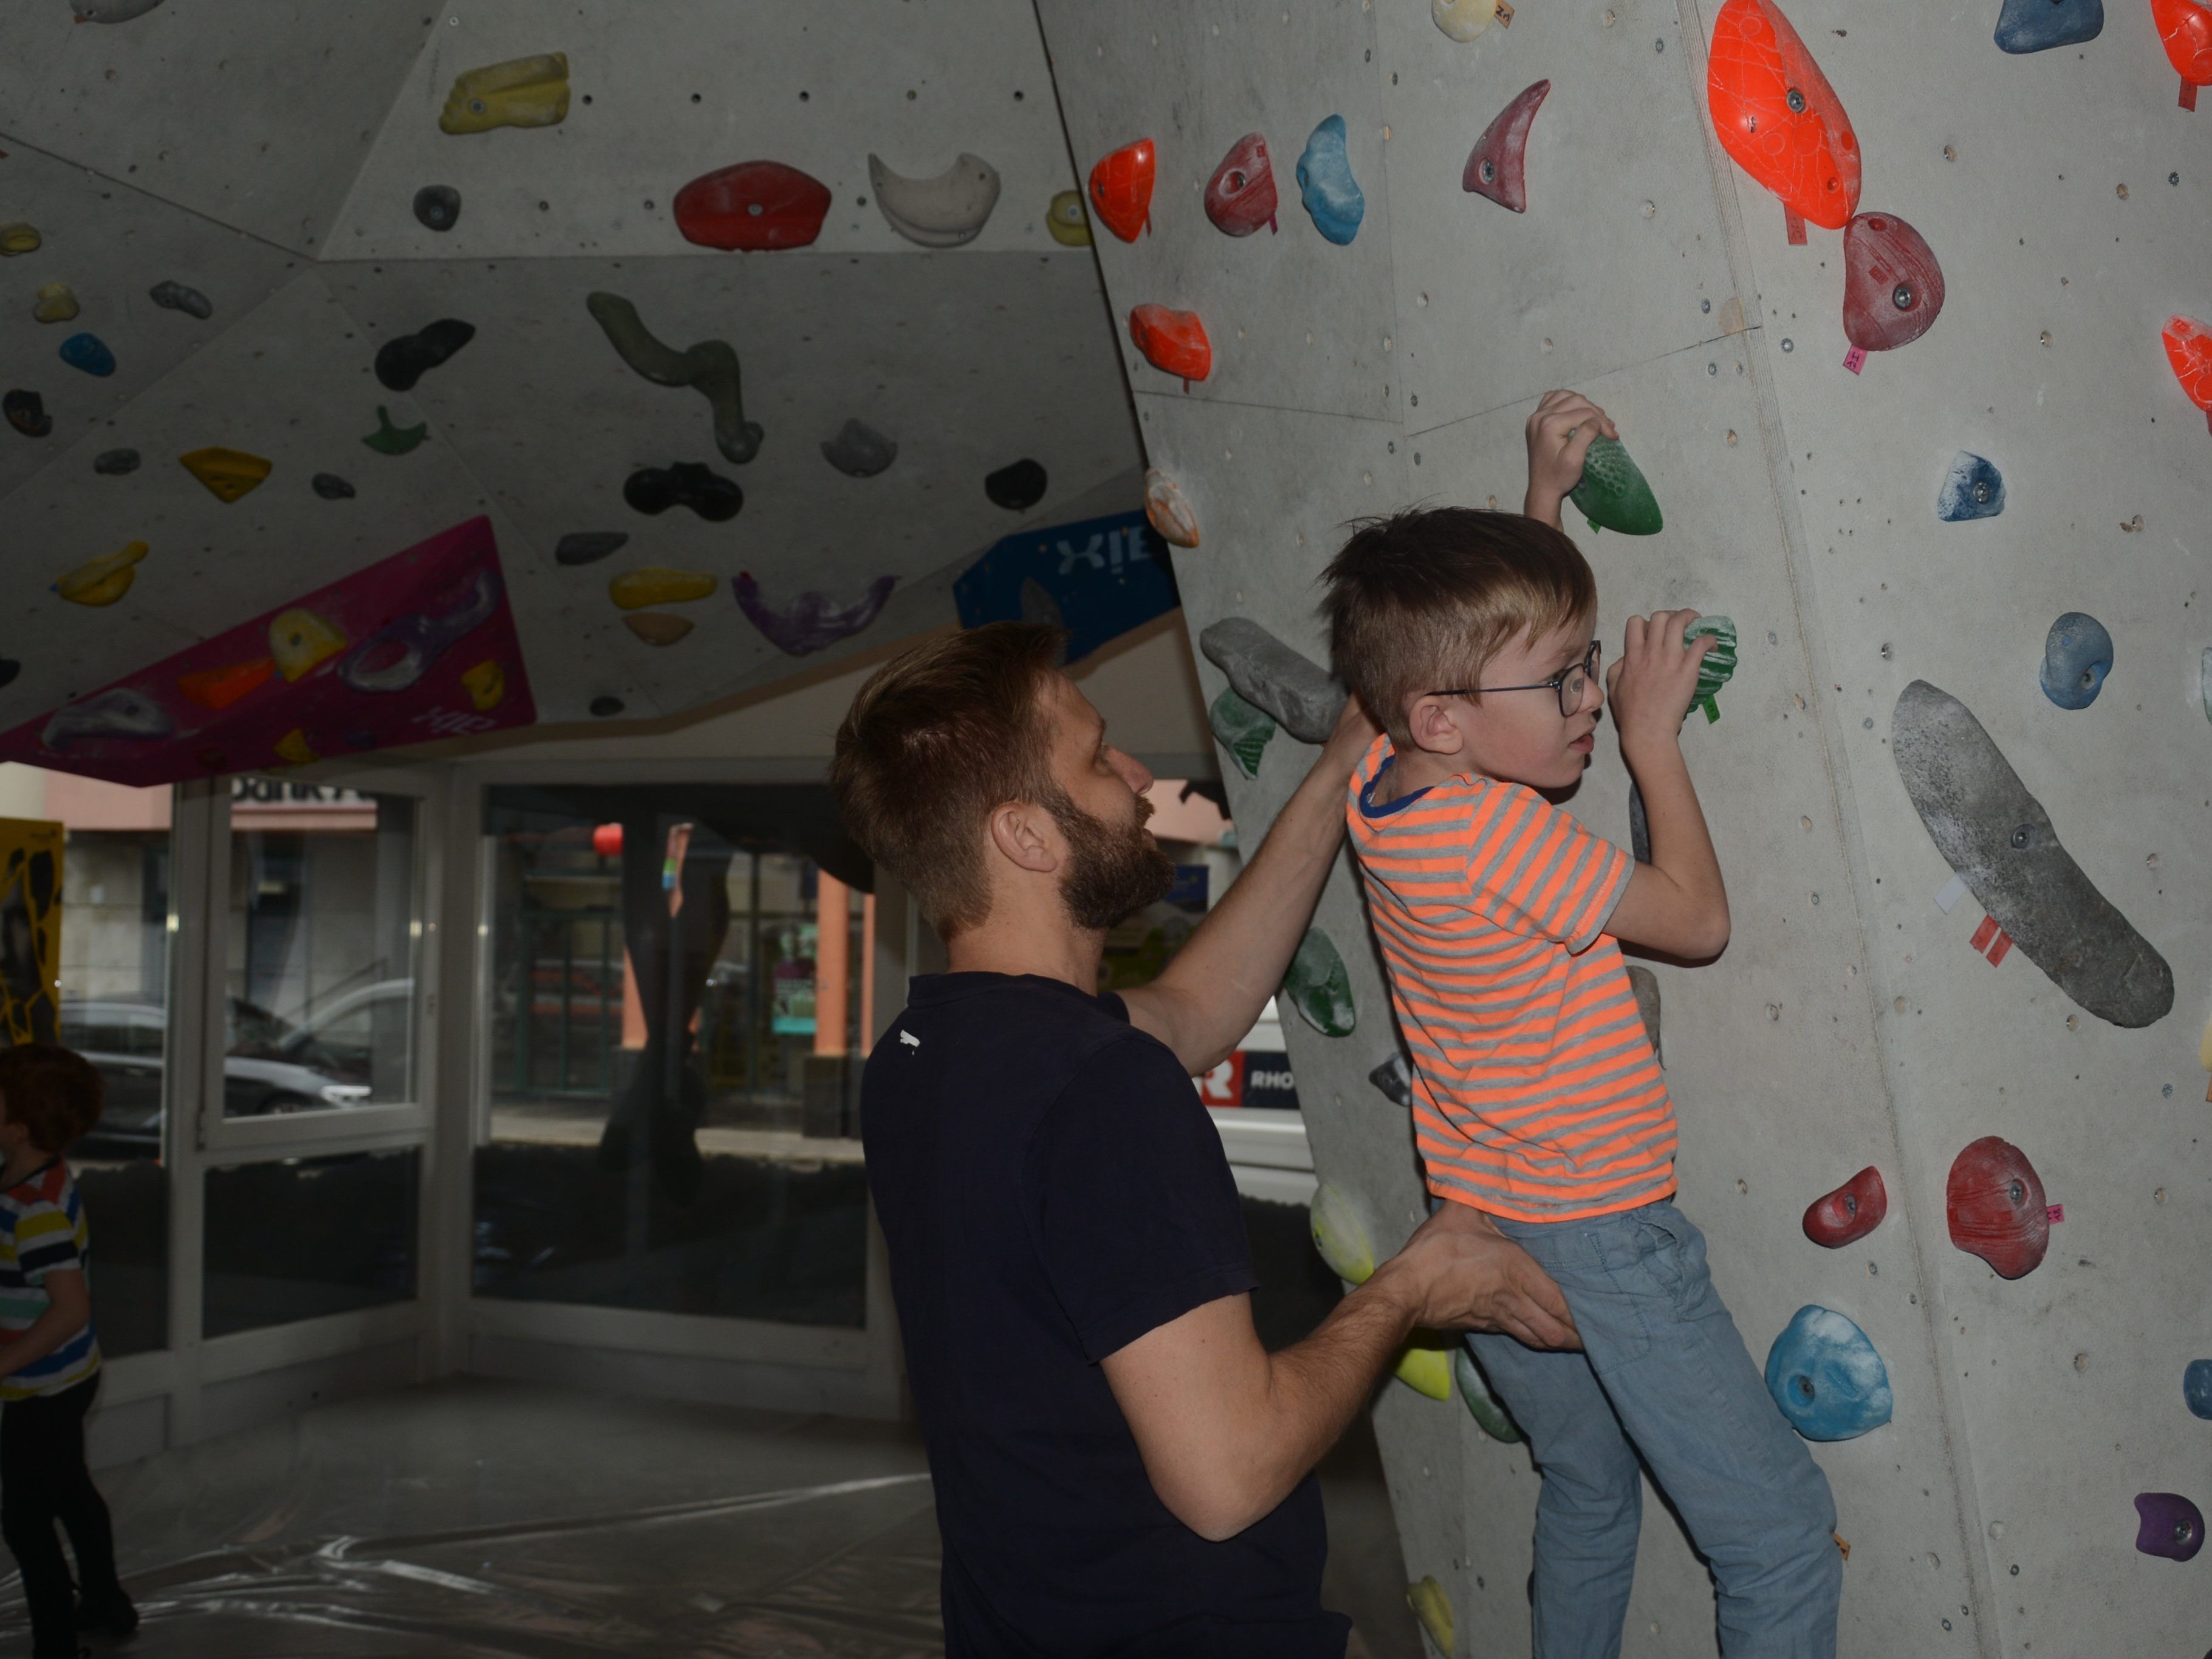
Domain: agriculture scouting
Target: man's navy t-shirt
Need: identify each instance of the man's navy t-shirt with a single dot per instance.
(1051, 1189)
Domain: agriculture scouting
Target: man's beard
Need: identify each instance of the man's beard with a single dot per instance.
(1111, 872)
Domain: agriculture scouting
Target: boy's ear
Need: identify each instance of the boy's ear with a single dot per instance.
(1434, 724)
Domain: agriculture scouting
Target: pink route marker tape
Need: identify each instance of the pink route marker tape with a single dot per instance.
(1998, 951)
(2057, 1211)
(1855, 359)
(1984, 933)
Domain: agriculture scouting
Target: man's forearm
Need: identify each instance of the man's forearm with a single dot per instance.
(1207, 998)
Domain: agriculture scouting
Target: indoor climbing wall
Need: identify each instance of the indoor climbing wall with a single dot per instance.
(1884, 303)
(723, 340)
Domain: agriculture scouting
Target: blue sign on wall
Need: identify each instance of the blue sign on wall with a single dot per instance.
(1097, 579)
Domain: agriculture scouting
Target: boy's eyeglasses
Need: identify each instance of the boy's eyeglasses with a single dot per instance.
(1570, 685)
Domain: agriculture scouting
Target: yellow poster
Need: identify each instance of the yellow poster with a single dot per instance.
(30, 929)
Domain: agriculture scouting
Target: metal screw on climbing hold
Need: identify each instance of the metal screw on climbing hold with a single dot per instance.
(1901, 296)
(2021, 836)
(1804, 1386)
(475, 106)
(1489, 171)
(2016, 1192)
(1797, 101)
(1983, 492)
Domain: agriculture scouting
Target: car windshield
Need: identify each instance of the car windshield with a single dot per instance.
(254, 1031)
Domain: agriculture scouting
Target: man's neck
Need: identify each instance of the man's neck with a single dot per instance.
(1049, 948)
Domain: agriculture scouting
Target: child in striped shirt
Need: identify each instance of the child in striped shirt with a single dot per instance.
(49, 1356)
(1537, 1099)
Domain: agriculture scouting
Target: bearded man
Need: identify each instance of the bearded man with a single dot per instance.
(1120, 1468)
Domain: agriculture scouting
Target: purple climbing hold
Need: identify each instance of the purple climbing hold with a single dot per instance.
(811, 621)
(2168, 1524)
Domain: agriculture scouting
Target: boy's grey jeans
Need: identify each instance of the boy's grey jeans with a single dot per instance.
(1662, 1373)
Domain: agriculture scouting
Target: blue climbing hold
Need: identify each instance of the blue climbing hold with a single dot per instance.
(89, 353)
(2039, 25)
(1326, 184)
(2077, 654)
(1973, 489)
(1826, 1377)
(2197, 1386)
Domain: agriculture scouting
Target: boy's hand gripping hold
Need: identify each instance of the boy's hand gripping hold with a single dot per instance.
(1560, 432)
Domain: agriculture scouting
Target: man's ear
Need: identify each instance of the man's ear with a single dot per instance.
(1434, 724)
(1025, 835)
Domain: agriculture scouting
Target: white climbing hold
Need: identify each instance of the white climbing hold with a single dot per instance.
(946, 211)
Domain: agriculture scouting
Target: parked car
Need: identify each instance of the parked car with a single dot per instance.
(359, 1038)
(128, 1041)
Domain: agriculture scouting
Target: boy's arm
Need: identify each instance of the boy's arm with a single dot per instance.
(1676, 903)
(1207, 998)
(1560, 432)
(68, 1311)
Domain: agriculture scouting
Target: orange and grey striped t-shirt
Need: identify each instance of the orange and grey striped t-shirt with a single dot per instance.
(1536, 1095)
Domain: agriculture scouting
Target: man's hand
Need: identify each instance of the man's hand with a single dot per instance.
(1560, 432)
(1459, 1273)
(1651, 687)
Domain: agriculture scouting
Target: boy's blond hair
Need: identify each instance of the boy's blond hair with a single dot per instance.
(1422, 600)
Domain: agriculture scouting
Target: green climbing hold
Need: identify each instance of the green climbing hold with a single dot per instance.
(390, 439)
(1488, 1410)
(1613, 493)
(1319, 987)
(1241, 729)
(1719, 664)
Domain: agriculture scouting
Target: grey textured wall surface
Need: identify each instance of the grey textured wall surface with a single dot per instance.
(1850, 1022)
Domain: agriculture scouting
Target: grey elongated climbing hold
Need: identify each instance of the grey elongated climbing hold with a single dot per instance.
(1973, 489)
(1645, 985)
(588, 546)
(1488, 1411)
(1303, 696)
(1319, 987)
(332, 487)
(1394, 1077)
(711, 366)
(1242, 730)
(2000, 840)
(175, 296)
(945, 211)
(122, 713)
(859, 451)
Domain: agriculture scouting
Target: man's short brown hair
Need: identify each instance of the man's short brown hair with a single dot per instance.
(937, 738)
(1425, 599)
(54, 1092)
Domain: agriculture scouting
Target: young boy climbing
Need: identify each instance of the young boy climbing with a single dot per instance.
(49, 1356)
(1537, 1099)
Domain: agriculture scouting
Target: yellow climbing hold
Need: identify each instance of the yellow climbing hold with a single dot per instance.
(295, 748)
(1464, 20)
(1434, 1609)
(523, 92)
(486, 684)
(633, 590)
(299, 639)
(1425, 1370)
(103, 581)
(658, 627)
(1069, 224)
(1340, 1236)
(55, 303)
(229, 473)
(17, 238)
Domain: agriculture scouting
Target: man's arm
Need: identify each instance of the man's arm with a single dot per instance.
(1226, 1429)
(1206, 1001)
(1677, 902)
(68, 1311)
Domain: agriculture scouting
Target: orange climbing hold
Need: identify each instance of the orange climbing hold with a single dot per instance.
(219, 688)
(2185, 27)
(1173, 342)
(1779, 119)
(2189, 348)
(1121, 189)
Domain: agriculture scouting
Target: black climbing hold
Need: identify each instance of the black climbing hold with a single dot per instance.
(9, 669)
(438, 207)
(1394, 1077)
(859, 451)
(687, 484)
(332, 488)
(606, 707)
(114, 463)
(588, 546)
(175, 296)
(26, 413)
(1016, 488)
(404, 360)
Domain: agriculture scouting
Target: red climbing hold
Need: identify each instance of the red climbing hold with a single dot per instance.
(2185, 27)
(1494, 166)
(1777, 116)
(1239, 197)
(2189, 348)
(1173, 342)
(607, 839)
(1121, 189)
(752, 206)
(219, 688)
(1849, 1213)
(1997, 1209)
(1892, 286)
